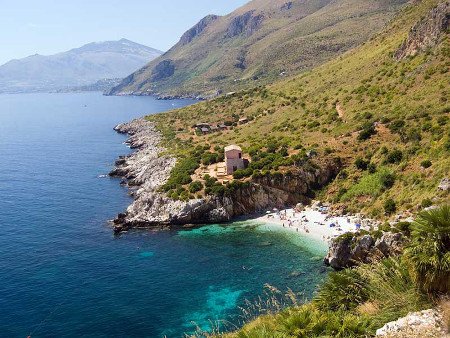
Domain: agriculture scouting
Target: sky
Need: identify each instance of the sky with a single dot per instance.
(47, 27)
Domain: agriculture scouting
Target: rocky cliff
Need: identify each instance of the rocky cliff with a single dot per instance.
(145, 171)
(426, 33)
(349, 250)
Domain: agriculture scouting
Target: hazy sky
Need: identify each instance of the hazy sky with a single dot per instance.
(49, 26)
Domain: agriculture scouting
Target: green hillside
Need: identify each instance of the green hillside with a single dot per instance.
(387, 119)
(258, 43)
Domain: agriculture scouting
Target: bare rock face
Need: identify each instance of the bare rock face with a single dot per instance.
(145, 171)
(246, 23)
(426, 33)
(350, 250)
(427, 323)
(195, 31)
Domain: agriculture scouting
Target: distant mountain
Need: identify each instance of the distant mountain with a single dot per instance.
(75, 68)
(258, 43)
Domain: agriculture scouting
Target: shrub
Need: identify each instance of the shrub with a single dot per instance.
(242, 173)
(209, 158)
(429, 250)
(342, 290)
(390, 206)
(425, 164)
(387, 180)
(396, 126)
(368, 130)
(361, 164)
(394, 156)
(372, 168)
(404, 227)
(426, 202)
(195, 187)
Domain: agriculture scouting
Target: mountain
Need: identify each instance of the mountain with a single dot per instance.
(258, 43)
(74, 68)
(382, 109)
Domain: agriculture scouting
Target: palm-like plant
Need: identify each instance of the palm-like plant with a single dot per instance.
(429, 250)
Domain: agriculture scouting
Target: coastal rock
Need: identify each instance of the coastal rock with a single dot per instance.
(352, 249)
(339, 253)
(427, 323)
(146, 171)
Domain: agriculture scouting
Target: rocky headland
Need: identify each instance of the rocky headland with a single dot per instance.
(147, 169)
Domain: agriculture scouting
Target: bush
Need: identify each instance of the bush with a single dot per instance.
(429, 250)
(387, 180)
(425, 164)
(368, 130)
(404, 227)
(242, 173)
(426, 203)
(394, 156)
(372, 168)
(361, 164)
(390, 206)
(396, 126)
(195, 187)
(209, 158)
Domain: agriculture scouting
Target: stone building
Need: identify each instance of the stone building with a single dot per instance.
(233, 159)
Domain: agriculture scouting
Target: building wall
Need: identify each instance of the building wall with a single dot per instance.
(233, 165)
(233, 154)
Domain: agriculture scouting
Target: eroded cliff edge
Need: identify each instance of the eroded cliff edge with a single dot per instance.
(147, 169)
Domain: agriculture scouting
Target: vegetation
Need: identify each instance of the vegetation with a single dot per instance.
(429, 251)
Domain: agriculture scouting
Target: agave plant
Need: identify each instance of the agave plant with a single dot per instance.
(429, 250)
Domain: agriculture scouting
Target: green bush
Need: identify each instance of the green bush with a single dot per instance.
(361, 164)
(426, 202)
(387, 180)
(429, 250)
(425, 164)
(195, 186)
(390, 206)
(394, 156)
(368, 130)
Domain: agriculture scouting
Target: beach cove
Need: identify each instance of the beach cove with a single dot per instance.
(64, 273)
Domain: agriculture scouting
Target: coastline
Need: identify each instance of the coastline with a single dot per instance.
(315, 221)
(145, 170)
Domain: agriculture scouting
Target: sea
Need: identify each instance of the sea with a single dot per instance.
(63, 273)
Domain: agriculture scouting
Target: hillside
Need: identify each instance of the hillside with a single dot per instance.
(259, 43)
(381, 108)
(77, 67)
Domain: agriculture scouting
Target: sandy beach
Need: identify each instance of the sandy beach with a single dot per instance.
(314, 221)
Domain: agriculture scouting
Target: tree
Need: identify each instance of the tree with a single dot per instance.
(429, 250)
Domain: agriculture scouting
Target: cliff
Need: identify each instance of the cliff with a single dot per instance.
(145, 171)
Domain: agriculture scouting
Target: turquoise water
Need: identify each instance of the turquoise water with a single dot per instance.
(64, 274)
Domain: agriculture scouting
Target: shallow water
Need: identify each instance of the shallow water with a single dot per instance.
(64, 274)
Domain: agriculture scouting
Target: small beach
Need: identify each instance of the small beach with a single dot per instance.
(315, 221)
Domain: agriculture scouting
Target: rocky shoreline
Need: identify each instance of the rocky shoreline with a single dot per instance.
(145, 171)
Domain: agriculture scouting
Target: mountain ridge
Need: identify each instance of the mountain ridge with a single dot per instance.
(258, 43)
(76, 67)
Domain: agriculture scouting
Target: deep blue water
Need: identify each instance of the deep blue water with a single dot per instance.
(64, 274)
